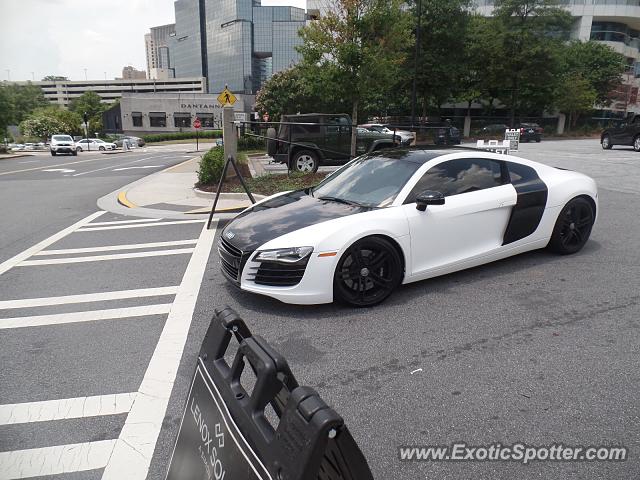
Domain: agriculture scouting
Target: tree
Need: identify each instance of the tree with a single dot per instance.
(531, 42)
(286, 92)
(55, 78)
(6, 110)
(357, 48)
(443, 29)
(577, 96)
(23, 99)
(598, 64)
(51, 120)
(89, 103)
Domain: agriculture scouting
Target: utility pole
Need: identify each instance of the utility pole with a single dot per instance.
(85, 74)
(8, 75)
(414, 94)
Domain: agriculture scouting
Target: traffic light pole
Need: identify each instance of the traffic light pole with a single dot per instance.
(85, 117)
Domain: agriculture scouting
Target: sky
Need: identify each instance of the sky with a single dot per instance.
(65, 37)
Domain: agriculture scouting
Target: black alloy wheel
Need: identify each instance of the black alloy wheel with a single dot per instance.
(367, 273)
(573, 227)
(606, 143)
(636, 143)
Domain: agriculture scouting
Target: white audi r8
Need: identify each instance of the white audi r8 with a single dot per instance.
(400, 216)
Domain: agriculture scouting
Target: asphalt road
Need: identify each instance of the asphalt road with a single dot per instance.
(41, 194)
(537, 349)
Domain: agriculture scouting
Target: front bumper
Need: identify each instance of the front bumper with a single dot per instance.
(63, 149)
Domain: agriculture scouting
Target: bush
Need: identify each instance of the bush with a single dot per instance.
(211, 166)
(251, 143)
(162, 137)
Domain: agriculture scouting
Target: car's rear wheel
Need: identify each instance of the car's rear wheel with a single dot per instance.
(636, 143)
(305, 161)
(606, 143)
(573, 227)
(367, 272)
(272, 141)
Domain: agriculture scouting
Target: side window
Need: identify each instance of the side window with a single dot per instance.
(519, 174)
(459, 176)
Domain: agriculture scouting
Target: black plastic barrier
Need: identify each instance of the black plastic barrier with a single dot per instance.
(225, 433)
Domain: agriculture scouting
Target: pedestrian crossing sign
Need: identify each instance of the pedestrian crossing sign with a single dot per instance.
(226, 97)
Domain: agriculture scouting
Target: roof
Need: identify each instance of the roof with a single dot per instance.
(422, 154)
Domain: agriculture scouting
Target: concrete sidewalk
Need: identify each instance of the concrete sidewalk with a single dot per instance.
(171, 194)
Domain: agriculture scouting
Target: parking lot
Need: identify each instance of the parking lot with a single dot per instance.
(538, 348)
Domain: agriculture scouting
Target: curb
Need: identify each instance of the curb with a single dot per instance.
(122, 200)
(226, 196)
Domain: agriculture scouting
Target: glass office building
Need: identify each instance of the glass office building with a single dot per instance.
(234, 43)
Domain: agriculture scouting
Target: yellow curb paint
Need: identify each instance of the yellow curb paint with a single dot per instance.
(122, 200)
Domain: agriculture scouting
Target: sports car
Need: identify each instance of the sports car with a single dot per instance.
(399, 216)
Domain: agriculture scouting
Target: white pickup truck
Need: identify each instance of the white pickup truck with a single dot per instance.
(62, 144)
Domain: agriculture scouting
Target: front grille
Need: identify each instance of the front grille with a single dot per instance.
(231, 260)
(277, 274)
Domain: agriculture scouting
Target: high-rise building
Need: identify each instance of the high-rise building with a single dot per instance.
(157, 48)
(131, 73)
(234, 43)
(613, 22)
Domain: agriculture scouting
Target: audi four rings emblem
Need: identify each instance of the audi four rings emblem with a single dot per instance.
(229, 235)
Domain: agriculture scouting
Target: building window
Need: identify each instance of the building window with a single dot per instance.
(182, 120)
(208, 120)
(157, 119)
(136, 117)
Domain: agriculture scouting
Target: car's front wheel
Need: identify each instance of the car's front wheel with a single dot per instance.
(53, 154)
(367, 272)
(74, 153)
(636, 143)
(78, 149)
(102, 149)
(573, 227)
(606, 143)
(305, 161)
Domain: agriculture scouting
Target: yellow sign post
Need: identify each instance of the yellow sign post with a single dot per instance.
(226, 97)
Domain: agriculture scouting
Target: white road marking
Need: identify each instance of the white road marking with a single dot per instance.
(63, 170)
(12, 262)
(416, 371)
(138, 225)
(111, 166)
(36, 462)
(88, 316)
(134, 448)
(135, 168)
(65, 408)
(102, 258)
(124, 222)
(87, 297)
(110, 248)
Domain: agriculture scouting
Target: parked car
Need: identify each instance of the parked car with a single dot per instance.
(447, 134)
(495, 128)
(627, 133)
(132, 141)
(530, 131)
(95, 144)
(405, 135)
(326, 139)
(62, 144)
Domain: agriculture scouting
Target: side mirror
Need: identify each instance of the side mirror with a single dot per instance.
(429, 197)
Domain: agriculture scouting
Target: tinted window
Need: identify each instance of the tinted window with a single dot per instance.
(62, 138)
(157, 119)
(519, 173)
(136, 117)
(371, 181)
(459, 176)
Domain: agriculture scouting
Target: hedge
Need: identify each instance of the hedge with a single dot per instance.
(162, 137)
(251, 143)
(211, 166)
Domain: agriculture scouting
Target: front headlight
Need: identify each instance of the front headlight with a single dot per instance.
(284, 255)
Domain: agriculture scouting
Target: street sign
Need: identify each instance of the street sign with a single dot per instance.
(241, 117)
(226, 97)
(197, 124)
(513, 135)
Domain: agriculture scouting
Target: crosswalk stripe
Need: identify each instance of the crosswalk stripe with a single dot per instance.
(138, 225)
(65, 408)
(88, 316)
(87, 297)
(101, 258)
(36, 462)
(110, 248)
(122, 222)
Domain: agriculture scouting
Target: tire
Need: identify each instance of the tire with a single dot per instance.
(538, 139)
(367, 273)
(74, 153)
(636, 143)
(606, 142)
(53, 154)
(305, 161)
(102, 149)
(573, 227)
(272, 142)
(78, 149)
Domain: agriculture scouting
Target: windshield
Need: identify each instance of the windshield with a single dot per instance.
(62, 138)
(367, 181)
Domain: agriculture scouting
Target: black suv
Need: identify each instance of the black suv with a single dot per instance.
(627, 132)
(316, 139)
